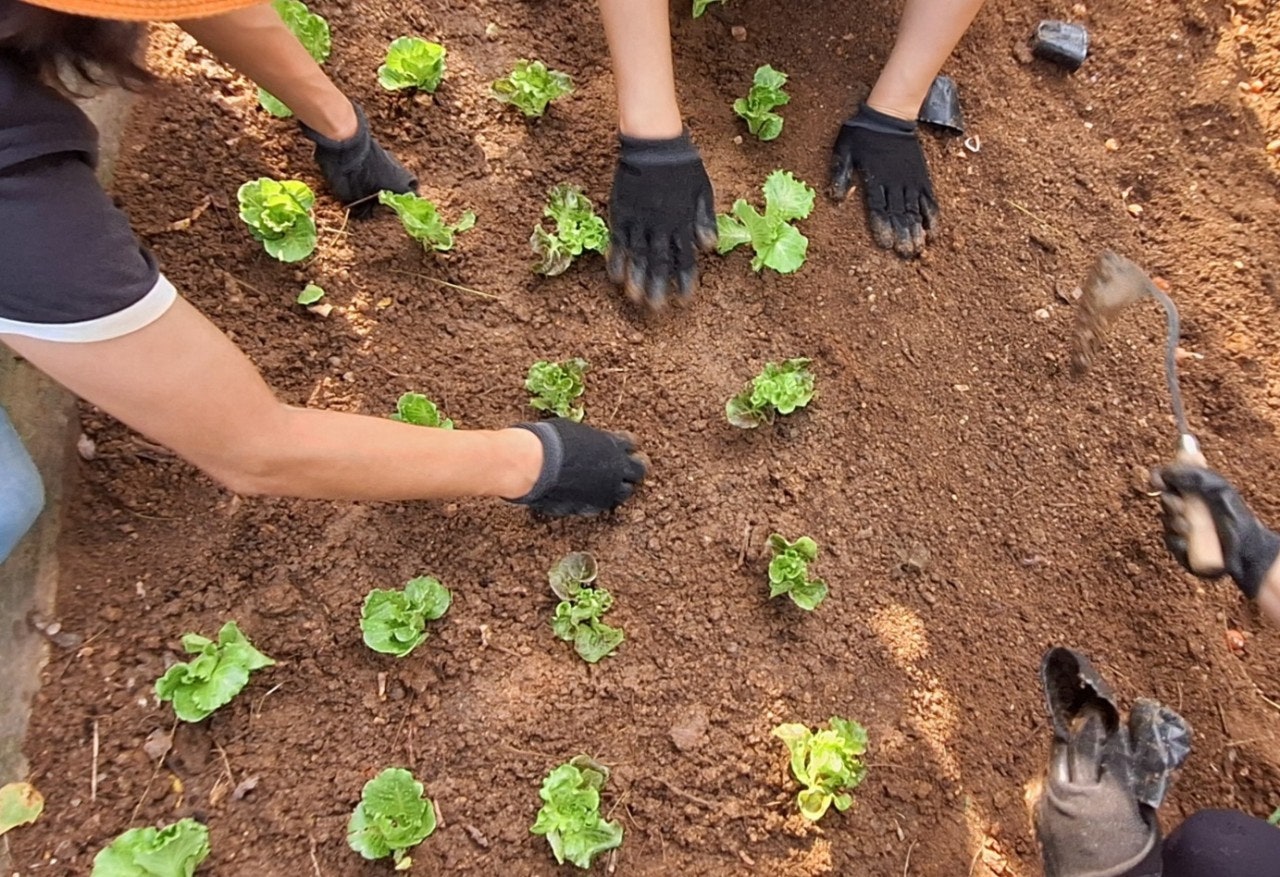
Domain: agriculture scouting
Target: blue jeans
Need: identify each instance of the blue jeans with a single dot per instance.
(21, 490)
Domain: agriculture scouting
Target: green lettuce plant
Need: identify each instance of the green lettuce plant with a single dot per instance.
(531, 86)
(578, 229)
(570, 817)
(421, 219)
(827, 763)
(700, 6)
(173, 851)
(394, 816)
(579, 615)
(395, 622)
(789, 571)
(216, 675)
(312, 31)
(417, 409)
(412, 62)
(555, 385)
(757, 108)
(777, 243)
(278, 213)
(780, 388)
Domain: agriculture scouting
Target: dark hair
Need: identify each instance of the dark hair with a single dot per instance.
(67, 51)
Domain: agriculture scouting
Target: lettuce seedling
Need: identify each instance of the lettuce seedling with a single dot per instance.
(778, 389)
(827, 763)
(700, 6)
(395, 622)
(311, 293)
(531, 86)
(757, 107)
(422, 221)
(578, 616)
(555, 385)
(417, 409)
(777, 244)
(789, 572)
(312, 31)
(173, 851)
(412, 62)
(394, 816)
(570, 817)
(216, 675)
(278, 213)
(578, 229)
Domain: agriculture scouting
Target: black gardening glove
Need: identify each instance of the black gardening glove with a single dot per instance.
(661, 211)
(585, 471)
(1248, 549)
(900, 203)
(357, 168)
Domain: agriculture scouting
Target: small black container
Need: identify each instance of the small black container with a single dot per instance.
(1061, 42)
(941, 106)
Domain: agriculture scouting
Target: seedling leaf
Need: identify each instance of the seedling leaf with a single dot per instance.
(421, 219)
(531, 86)
(777, 244)
(20, 804)
(700, 6)
(393, 816)
(278, 213)
(577, 230)
(417, 409)
(555, 385)
(311, 293)
(571, 573)
(757, 107)
(827, 763)
(570, 816)
(173, 851)
(413, 62)
(312, 31)
(395, 622)
(216, 675)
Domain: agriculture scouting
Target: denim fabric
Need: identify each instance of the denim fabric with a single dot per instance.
(21, 490)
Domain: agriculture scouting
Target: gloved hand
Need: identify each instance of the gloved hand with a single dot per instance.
(885, 150)
(1248, 549)
(585, 471)
(661, 211)
(357, 168)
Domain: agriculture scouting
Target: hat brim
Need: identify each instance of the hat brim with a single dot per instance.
(145, 10)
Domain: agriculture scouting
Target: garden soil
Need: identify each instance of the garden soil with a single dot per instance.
(974, 503)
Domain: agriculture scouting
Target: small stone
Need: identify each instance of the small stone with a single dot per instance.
(690, 729)
(1042, 314)
(86, 447)
(1112, 144)
(1273, 147)
(737, 140)
(739, 33)
(492, 30)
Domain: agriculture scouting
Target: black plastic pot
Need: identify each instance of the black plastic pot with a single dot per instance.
(1062, 43)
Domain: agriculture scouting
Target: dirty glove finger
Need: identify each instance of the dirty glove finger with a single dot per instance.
(686, 265)
(704, 226)
(661, 269)
(841, 165)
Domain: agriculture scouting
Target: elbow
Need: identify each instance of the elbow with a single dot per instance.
(257, 464)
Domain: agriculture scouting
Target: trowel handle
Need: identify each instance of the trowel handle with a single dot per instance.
(1204, 551)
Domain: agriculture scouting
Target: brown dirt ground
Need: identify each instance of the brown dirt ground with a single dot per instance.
(974, 503)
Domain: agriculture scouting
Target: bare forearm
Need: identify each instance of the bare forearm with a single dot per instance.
(927, 34)
(256, 42)
(639, 35)
(1269, 595)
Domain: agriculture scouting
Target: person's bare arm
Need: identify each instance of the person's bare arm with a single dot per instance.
(1269, 595)
(256, 42)
(639, 36)
(927, 33)
(183, 383)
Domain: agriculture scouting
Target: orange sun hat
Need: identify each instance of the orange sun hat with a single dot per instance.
(145, 10)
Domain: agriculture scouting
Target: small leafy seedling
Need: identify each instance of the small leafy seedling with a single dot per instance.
(777, 244)
(555, 385)
(312, 31)
(578, 229)
(757, 108)
(412, 62)
(173, 851)
(531, 86)
(579, 614)
(789, 571)
(422, 221)
(395, 622)
(278, 213)
(417, 409)
(216, 675)
(394, 816)
(20, 804)
(311, 293)
(778, 389)
(827, 763)
(1274, 818)
(570, 817)
(700, 6)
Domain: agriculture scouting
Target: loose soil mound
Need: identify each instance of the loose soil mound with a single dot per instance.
(974, 503)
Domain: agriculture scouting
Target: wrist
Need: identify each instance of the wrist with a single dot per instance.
(335, 119)
(651, 122)
(518, 462)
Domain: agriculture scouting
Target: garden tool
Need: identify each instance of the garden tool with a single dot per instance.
(1114, 283)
